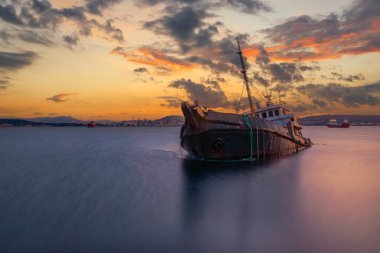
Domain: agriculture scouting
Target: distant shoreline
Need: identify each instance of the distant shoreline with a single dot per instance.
(172, 121)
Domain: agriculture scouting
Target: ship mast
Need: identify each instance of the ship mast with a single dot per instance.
(246, 82)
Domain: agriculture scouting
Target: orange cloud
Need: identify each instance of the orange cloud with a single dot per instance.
(154, 58)
(295, 41)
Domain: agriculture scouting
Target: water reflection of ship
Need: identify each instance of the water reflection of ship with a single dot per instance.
(333, 123)
(205, 210)
(270, 130)
(234, 207)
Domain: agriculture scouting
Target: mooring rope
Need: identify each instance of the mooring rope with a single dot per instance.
(263, 133)
(250, 135)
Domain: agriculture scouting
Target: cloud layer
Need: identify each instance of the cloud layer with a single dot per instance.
(210, 95)
(338, 93)
(32, 17)
(14, 61)
(355, 31)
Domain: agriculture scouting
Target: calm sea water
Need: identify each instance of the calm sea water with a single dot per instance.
(129, 190)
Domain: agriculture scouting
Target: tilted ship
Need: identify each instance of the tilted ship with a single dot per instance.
(268, 131)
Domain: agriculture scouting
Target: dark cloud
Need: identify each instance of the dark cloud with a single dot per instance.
(74, 13)
(303, 27)
(247, 6)
(282, 75)
(85, 25)
(35, 37)
(338, 93)
(349, 78)
(374, 87)
(285, 72)
(41, 6)
(97, 6)
(140, 70)
(362, 10)
(257, 78)
(71, 40)
(170, 101)
(8, 14)
(60, 98)
(214, 83)
(113, 31)
(41, 15)
(300, 107)
(4, 82)
(227, 57)
(262, 58)
(15, 61)
(185, 25)
(26, 35)
(206, 95)
(309, 68)
(45, 16)
(319, 102)
(5, 36)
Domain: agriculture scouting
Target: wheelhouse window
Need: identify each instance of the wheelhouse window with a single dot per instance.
(264, 115)
(276, 112)
(270, 113)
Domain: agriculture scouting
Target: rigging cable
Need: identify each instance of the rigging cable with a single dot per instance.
(241, 95)
(251, 136)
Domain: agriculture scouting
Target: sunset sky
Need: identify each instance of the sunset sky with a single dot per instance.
(115, 59)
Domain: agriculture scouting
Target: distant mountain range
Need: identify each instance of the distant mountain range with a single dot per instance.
(22, 122)
(321, 120)
(171, 120)
(174, 120)
(61, 119)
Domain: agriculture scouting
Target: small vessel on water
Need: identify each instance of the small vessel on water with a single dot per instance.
(91, 124)
(270, 130)
(333, 123)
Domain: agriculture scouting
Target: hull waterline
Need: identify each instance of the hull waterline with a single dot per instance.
(235, 137)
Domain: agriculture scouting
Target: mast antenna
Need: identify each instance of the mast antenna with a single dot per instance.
(246, 82)
(279, 95)
(196, 102)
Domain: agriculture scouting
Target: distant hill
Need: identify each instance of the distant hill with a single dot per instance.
(172, 118)
(22, 122)
(61, 119)
(175, 120)
(18, 122)
(321, 120)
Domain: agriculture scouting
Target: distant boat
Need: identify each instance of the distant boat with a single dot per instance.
(267, 131)
(91, 124)
(334, 124)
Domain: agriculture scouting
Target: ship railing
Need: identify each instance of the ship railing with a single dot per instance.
(260, 124)
(265, 103)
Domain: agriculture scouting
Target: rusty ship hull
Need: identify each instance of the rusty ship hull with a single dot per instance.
(223, 136)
